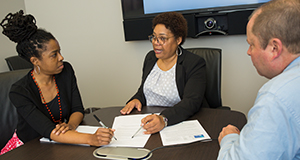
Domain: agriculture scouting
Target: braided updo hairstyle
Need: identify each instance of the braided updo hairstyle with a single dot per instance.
(22, 30)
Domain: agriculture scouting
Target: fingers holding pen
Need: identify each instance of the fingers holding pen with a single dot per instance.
(105, 132)
(102, 136)
(152, 123)
(147, 119)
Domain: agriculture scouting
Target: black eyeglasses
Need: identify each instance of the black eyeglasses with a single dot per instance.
(160, 40)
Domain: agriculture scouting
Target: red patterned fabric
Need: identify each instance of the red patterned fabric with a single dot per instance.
(13, 143)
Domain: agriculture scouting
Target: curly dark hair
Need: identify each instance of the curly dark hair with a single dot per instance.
(173, 21)
(22, 30)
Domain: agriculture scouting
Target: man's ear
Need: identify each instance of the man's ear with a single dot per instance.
(276, 47)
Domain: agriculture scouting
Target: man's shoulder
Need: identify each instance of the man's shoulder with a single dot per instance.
(287, 80)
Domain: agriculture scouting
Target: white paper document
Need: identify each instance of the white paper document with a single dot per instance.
(125, 127)
(87, 129)
(184, 132)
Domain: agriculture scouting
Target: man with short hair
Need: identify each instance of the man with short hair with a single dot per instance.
(273, 127)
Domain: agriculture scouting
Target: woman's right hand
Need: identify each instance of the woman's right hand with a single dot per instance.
(130, 105)
(101, 137)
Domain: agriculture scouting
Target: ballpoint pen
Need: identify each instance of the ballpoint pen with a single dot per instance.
(102, 124)
(137, 131)
(140, 128)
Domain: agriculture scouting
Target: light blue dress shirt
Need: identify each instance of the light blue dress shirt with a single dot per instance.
(273, 128)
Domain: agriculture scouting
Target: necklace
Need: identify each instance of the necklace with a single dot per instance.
(44, 102)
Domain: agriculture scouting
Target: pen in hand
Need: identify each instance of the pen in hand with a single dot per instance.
(102, 124)
(138, 130)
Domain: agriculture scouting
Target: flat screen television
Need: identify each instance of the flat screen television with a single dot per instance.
(135, 10)
(148, 8)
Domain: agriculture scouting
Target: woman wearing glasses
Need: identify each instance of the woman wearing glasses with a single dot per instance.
(172, 77)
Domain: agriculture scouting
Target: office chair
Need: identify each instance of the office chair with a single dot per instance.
(16, 63)
(90, 110)
(8, 113)
(212, 57)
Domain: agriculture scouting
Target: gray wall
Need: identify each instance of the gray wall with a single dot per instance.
(7, 48)
(108, 69)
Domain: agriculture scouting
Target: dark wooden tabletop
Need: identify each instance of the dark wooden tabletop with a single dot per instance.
(212, 120)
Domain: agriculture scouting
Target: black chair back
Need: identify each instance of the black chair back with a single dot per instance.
(8, 113)
(212, 56)
(16, 63)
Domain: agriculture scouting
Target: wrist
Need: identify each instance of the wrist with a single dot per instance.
(90, 139)
(165, 120)
(72, 126)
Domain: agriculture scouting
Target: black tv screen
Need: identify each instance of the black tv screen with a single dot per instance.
(147, 8)
(228, 17)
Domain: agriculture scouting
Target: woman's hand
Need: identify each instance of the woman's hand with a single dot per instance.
(101, 137)
(153, 123)
(130, 105)
(62, 128)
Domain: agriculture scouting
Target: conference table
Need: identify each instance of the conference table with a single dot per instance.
(212, 120)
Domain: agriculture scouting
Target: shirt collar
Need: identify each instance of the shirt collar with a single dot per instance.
(295, 62)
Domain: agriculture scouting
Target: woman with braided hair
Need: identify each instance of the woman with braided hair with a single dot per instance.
(47, 99)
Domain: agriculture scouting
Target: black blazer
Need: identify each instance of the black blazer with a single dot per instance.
(34, 120)
(190, 81)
